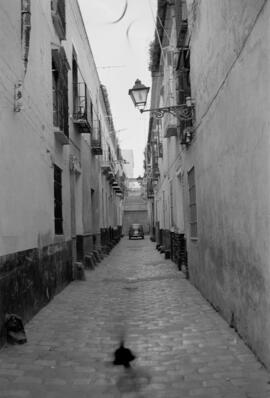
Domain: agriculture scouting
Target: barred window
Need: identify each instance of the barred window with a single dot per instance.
(171, 204)
(60, 90)
(58, 217)
(58, 9)
(192, 204)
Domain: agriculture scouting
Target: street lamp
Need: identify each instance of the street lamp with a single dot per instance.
(139, 92)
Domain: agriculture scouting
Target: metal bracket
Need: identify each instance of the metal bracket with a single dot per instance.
(182, 112)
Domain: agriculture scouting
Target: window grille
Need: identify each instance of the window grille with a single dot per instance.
(96, 142)
(171, 204)
(58, 217)
(192, 204)
(82, 107)
(183, 86)
(59, 91)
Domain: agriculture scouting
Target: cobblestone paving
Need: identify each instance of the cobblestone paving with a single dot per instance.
(184, 348)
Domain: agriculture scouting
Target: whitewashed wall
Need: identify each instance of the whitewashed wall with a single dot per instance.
(230, 66)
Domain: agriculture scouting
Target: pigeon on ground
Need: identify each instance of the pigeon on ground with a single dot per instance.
(123, 356)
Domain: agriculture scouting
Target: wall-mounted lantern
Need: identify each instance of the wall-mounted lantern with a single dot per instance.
(139, 93)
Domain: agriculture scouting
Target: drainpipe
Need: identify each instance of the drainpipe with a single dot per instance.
(25, 42)
(25, 30)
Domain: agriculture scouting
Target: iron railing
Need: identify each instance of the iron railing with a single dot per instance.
(82, 108)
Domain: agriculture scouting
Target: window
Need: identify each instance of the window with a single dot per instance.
(58, 218)
(183, 64)
(192, 204)
(82, 104)
(171, 204)
(93, 205)
(58, 10)
(59, 90)
(75, 81)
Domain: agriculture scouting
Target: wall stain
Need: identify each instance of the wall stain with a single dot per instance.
(29, 279)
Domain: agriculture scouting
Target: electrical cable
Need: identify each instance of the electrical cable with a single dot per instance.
(222, 84)
(156, 30)
(223, 81)
(164, 30)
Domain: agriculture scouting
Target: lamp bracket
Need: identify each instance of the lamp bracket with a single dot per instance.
(182, 111)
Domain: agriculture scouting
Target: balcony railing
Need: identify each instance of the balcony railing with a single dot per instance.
(155, 169)
(96, 146)
(119, 187)
(149, 189)
(116, 185)
(82, 115)
(108, 170)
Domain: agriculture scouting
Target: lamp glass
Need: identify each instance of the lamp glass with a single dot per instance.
(138, 94)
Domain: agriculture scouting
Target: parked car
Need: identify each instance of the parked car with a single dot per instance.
(136, 231)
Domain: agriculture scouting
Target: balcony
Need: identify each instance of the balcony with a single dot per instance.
(83, 112)
(119, 187)
(116, 186)
(111, 176)
(149, 189)
(187, 136)
(96, 146)
(155, 169)
(105, 167)
(108, 170)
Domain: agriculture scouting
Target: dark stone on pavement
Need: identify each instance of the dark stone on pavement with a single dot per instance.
(15, 329)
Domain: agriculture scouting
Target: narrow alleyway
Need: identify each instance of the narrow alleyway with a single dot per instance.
(183, 347)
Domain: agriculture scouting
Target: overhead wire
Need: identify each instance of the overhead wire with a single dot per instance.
(222, 84)
(156, 29)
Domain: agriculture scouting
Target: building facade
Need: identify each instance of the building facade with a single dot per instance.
(164, 154)
(221, 158)
(57, 203)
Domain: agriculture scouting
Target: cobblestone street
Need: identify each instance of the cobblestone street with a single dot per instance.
(183, 347)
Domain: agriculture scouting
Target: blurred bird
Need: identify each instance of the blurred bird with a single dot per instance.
(123, 356)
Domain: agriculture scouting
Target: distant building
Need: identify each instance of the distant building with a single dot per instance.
(128, 155)
(135, 207)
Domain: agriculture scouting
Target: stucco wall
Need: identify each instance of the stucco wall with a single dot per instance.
(27, 140)
(219, 31)
(230, 83)
(34, 263)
